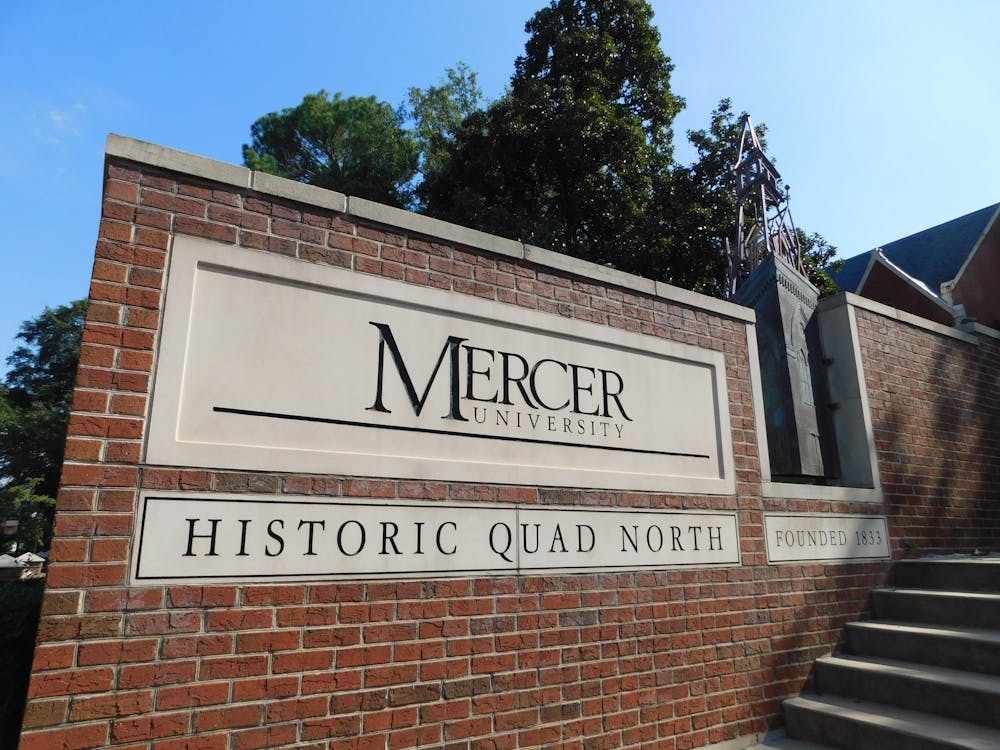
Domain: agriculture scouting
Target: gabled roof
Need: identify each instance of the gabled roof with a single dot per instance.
(933, 256)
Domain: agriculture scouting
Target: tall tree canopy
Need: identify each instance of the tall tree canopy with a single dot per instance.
(438, 113)
(35, 400)
(577, 156)
(36, 395)
(705, 214)
(572, 157)
(356, 145)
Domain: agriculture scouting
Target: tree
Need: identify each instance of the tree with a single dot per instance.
(819, 258)
(703, 209)
(34, 514)
(438, 113)
(356, 145)
(35, 398)
(572, 157)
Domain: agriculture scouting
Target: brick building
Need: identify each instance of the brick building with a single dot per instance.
(945, 273)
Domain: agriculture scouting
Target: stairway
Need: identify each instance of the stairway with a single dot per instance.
(924, 674)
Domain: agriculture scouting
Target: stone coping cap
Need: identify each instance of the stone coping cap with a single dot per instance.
(130, 149)
(849, 298)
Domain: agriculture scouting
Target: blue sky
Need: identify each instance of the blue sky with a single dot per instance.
(883, 115)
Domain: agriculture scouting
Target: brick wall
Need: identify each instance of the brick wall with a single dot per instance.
(671, 659)
(936, 413)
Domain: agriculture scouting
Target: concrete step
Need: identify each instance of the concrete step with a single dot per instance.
(784, 742)
(953, 647)
(949, 574)
(859, 725)
(967, 609)
(951, 693)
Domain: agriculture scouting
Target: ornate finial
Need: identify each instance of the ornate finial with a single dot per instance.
(764, 222)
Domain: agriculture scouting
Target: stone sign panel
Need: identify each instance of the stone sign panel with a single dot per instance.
(801, 537)
(269, 363)
(195, 538)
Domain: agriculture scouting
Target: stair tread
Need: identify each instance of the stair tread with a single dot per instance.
(942, 593)
(992, 559)
(960, 734)
(920, 672)
(784, 742)
(943, 631)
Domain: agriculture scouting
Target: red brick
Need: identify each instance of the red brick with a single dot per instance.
(186, 696)
(115, 231)
(271, 640)
(265, 737)
(124, 599)
(198, 645)
(167, 202)
(149, 727)
(163, 623)
(240, 619)
(69, 550)
(339, 726)
(81, 737)
(79, 627)
(299, 708)
(265, 687)
(61, 602)
(156, 675)
(44, 713)
(273, 595)
(227, 718)
(123, 403)
(122, 191)
(53, 656)
(109, 706)
(219, 232)
(201, 742)
(241, 666)
(115, 652)
(202, 596)
(65, 576)
(302, 661)
(130, 360)
(50, 684)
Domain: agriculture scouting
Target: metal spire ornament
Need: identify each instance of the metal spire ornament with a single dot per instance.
(764, 224)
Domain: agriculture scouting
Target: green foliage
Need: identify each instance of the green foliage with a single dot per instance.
(818, 257)
(573, 156)
(35, 399)
(577, 156)
(439, 111)
(356, 145)
(706, 216)
(20, 603)
(34, 514)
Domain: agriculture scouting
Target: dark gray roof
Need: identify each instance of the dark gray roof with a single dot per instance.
(933, 256)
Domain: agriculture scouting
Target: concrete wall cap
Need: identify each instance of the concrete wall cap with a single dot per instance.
(710, 304)
(854, 300)
(436, 228)
(578, 267)
(199, 166)
(281, 187)
(177, 161)
(982, 330)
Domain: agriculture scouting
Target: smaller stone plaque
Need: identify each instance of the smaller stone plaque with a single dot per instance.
(189, 537)
(801, 537)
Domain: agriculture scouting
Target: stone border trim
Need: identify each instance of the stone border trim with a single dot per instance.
(180, 161)
(891, 312)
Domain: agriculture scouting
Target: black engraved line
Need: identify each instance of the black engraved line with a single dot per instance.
(401, 428)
